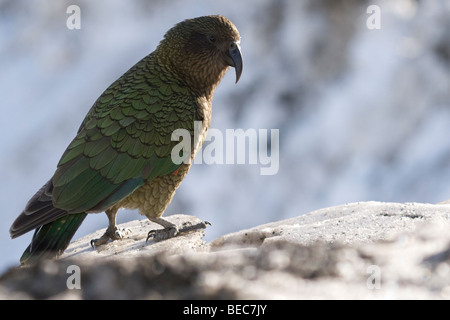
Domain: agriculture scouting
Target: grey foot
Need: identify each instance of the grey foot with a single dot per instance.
(173, 231)
(114, 234)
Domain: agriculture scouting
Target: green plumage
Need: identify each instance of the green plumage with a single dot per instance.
(121, 155)
(52, 238)
(121, 135)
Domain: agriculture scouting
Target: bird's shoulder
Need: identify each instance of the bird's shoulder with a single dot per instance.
(126, 137)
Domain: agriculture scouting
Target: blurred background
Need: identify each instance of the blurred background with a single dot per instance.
(362, 114)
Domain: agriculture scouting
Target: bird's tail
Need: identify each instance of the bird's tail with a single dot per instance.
(51, 239)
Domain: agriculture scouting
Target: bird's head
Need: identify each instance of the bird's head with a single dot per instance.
(201, 50)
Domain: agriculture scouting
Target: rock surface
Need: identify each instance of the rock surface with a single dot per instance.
(369, 250)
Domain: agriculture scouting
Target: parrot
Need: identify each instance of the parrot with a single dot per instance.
(121, 156)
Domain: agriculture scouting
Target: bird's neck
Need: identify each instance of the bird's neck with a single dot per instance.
(199, 75)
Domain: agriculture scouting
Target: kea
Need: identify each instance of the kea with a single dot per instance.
(121, 156)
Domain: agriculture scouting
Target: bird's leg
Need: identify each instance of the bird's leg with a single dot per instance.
(171, 230)
(112, 232)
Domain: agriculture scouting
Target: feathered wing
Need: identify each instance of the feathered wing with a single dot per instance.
(124, 141)
(38, 211)
(54, 227)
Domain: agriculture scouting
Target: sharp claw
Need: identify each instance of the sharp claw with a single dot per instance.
(162, 234)
(121, 233)
(150, 234)
(116, 234)
(172, 232)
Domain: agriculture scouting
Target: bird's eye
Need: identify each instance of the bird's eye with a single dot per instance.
(211, 38)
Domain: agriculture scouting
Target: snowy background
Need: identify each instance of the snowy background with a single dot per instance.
(363, 114)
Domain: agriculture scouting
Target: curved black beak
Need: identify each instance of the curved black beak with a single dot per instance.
(236, 59)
